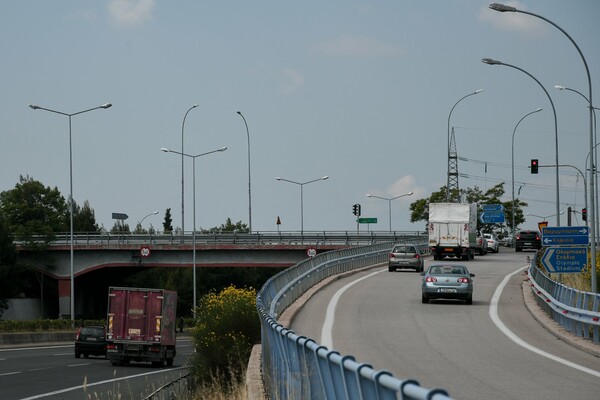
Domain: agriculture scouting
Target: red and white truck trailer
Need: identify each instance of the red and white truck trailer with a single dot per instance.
(141, 326)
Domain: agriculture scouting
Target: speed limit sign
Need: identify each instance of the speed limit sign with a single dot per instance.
(145, 251)
(311, 252)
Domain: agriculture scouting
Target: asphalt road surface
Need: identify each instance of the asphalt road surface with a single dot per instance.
(380, 320)
(52, 372)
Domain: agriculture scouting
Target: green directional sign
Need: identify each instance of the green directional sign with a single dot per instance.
(367, 220)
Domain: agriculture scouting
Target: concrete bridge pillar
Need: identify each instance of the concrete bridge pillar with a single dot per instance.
(64, 296)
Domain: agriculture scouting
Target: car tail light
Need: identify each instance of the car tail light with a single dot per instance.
(431, 279)
(416, 256)
(111, 346)
(391, 255)
(78, 334)
(463, 280)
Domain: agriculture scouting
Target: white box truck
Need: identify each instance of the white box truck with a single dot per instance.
(452, 230)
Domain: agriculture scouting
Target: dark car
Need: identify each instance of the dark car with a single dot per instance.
(447, 281)
(405, 257)
(90, 340)
(528, 240)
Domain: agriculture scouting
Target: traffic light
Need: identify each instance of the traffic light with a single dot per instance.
(356, 210)
(584, 214)
(534, 166)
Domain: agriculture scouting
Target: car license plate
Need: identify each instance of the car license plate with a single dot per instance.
(448, 250)
(446, 290)
(91, 339)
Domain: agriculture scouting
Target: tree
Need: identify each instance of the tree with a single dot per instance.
(34, 212)
(228, 226)
(419, 209)
(84, 218)
(120, 227)
(168, 222)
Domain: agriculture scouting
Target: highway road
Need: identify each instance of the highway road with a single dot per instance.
(52, 372)
(470, 350)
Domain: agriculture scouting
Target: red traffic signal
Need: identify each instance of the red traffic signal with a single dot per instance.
(584, 214)
(534, 166)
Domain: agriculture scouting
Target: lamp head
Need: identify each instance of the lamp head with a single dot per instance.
(325, 177)
(223, 149)
(107, 105)
(409, 193)
(559, 87)
(155, 212)
(478, 91)
(33, 106)
(538, 109)
(277, 178)
(165, 149)
(369, 195)
(502, 7)
(491, 61)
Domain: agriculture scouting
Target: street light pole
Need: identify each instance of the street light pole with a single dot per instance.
(182, 182)
(142, 220)
(513, 172)
(249, 187)
(505, 8)
(490, 61)
(452, 109)
(193, 157)
(36, 107)
(389, 200)
(301, 184)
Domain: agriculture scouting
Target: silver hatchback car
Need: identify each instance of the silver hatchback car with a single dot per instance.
(405, 256)
(447, 281)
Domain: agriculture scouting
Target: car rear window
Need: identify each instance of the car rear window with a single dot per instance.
(404, 249)
(528, 235)
(92, 331)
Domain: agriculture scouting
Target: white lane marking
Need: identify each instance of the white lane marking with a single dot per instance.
(493, 312)
(11, 373)
(327, 330)
(40, 396)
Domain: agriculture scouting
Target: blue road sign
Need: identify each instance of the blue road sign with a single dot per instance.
(492, 217)
(565, 235)
(492, 207)
(565, 260)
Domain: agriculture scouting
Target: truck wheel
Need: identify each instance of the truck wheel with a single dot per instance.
(77, 354)
(169, 362)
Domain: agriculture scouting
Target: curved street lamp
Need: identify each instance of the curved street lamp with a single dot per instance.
(301, 184)
(389, 200)
(513, 172)
(142, 220)
(182, 182)
(193, 157)
(491, 61)
(36, 107)
(452, 109)
(249, 189)
(592, 216)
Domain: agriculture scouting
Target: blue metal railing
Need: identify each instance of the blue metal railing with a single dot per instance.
(297, 367)
(575, 310)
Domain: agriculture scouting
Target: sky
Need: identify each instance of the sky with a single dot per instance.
(359, 91)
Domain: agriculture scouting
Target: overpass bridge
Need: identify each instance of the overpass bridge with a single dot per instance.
(98, 257)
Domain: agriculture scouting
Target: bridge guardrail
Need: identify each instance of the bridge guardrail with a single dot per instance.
(575, 310)
(253, 238)
(297, 367)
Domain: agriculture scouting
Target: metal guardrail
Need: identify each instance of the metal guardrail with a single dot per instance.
(297, 367)
(254, 238)
(575, 310)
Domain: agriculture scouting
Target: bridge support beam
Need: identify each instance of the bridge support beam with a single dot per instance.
(64, 297)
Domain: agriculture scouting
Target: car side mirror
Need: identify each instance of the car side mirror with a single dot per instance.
(472, 275)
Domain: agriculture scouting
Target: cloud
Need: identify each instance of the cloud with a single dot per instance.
(357, 46)
(292, 81)
(512, 21)
(130, 12)
(400, 187)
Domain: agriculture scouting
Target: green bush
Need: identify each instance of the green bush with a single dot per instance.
(226, 328)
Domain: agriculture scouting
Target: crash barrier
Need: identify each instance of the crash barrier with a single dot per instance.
(179, 388)
(297, 367)
(575, 310)
(253, 238)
